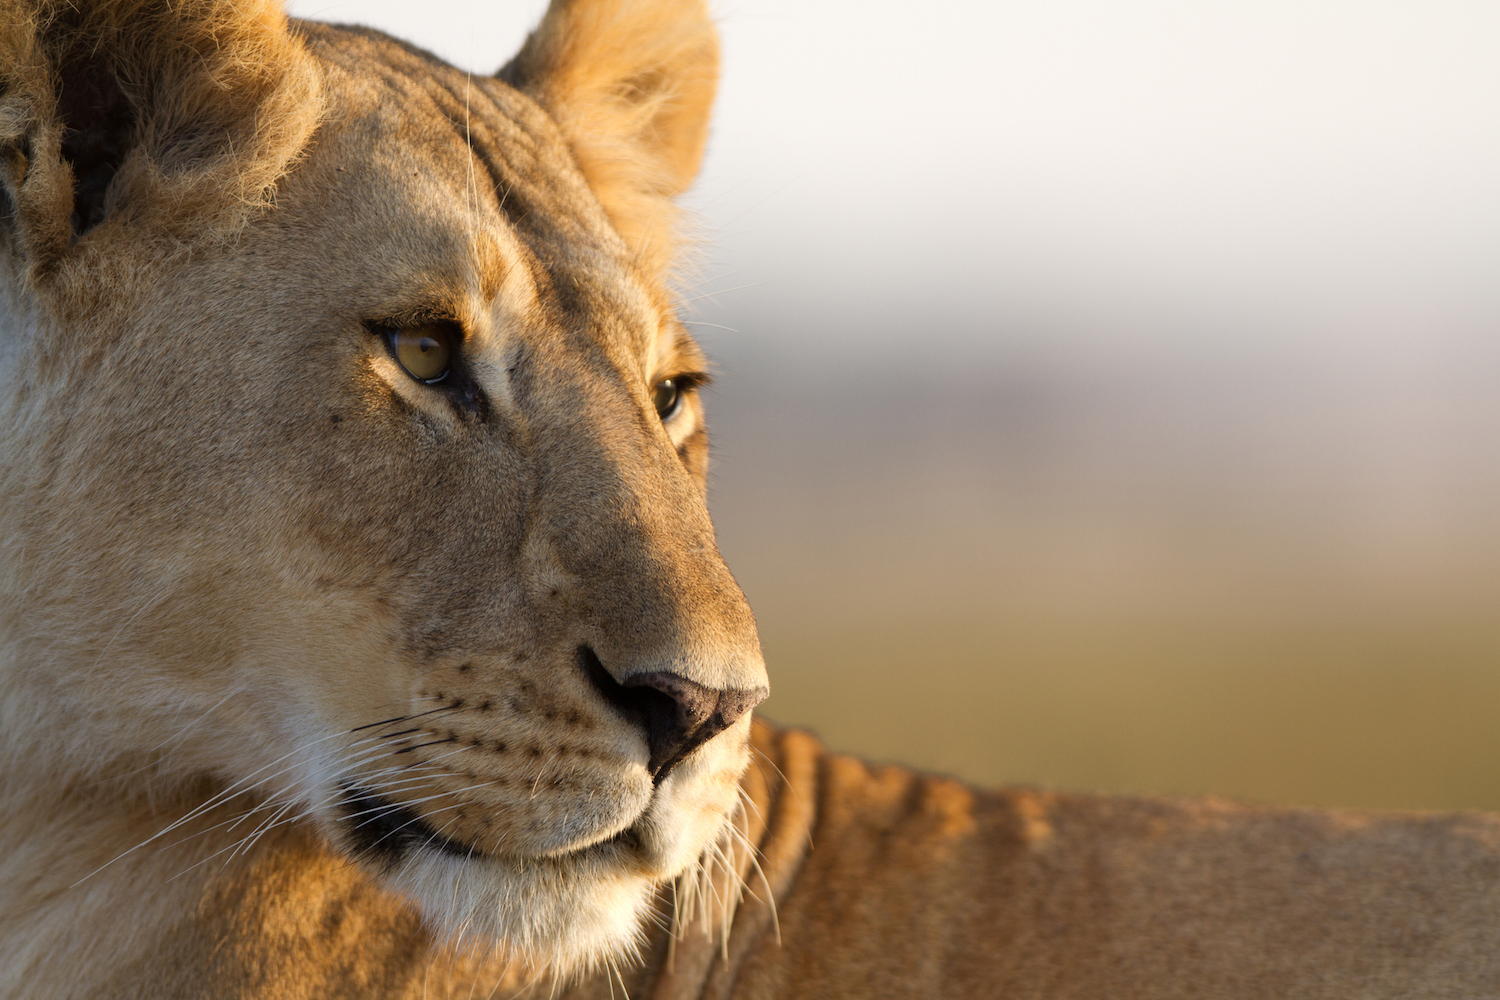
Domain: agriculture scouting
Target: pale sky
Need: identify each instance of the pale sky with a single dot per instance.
(1113, 175)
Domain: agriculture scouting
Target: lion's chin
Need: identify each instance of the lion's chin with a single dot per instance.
(564, 915)
(564, 911)
(562, 908)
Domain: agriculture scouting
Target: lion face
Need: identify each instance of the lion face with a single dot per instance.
(390, 512)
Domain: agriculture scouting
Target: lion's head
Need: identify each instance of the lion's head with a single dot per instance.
(352, 456)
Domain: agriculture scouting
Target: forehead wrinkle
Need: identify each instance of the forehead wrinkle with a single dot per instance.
(519, 169)
(564, 256)
(520, 166)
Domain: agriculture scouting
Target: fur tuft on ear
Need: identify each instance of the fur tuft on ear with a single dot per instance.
(177, 114)
(631, 83)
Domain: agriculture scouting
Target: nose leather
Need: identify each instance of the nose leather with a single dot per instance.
(679, 715)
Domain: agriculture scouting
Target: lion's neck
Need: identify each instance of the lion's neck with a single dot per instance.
(81, 905)
(113, 907)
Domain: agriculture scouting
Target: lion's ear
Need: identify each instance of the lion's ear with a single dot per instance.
(631, 83)
(177, 113)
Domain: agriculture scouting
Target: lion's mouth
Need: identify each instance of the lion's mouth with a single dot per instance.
(386, 832)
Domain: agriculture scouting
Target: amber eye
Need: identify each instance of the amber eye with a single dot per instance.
(424, 351)
(667, 395)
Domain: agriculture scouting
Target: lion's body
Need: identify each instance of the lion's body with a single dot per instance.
(323, 675)
(919, 886)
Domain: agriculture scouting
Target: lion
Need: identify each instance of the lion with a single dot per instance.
(363, 631)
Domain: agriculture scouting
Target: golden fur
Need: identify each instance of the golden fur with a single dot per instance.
(305, 664)
(231, 100)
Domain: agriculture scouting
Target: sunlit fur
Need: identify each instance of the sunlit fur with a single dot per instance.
(262, 592)
(615, 94)
(233, 101)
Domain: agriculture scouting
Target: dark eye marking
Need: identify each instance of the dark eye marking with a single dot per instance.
(668, 394)
(429, 350)
(425, 351)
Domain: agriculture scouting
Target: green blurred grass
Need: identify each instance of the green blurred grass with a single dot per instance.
(1354, 711)
(1259, 579)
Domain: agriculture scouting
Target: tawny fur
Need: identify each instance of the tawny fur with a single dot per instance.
(226, 98)
(252, 571)
(617, 95)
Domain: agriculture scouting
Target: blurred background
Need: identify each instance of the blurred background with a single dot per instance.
(1108, 392)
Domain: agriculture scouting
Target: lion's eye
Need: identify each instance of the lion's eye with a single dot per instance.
(667, 395)
(426, 351)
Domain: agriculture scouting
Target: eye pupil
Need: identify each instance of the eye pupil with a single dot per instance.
(666, 395)
(425, 352)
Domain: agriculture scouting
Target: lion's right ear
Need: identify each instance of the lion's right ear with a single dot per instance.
(175, 116)
(631, 83)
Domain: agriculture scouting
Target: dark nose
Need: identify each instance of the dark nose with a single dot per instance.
(679, 715)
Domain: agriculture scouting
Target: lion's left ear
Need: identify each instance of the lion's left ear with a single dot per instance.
(631, 83)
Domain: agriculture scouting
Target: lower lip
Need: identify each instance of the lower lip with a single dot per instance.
(396, 828)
